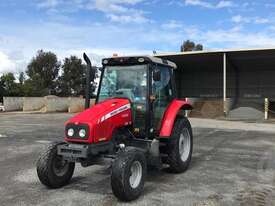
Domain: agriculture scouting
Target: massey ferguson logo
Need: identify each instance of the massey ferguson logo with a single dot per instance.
(115, 112)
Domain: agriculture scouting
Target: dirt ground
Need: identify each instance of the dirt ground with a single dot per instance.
(233, 164)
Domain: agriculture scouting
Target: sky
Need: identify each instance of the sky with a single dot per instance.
(127, 27)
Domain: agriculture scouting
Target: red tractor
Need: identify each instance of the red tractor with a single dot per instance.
(137, 121)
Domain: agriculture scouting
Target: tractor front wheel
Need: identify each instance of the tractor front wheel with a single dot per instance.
(52, 170)
(128, 174)
(180, 146)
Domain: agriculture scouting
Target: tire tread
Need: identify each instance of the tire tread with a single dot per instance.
(120, 190)
(173, 159)
(43, 167)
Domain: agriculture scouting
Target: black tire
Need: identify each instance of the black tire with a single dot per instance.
(47, 168)
(179, 163)
(121, 173)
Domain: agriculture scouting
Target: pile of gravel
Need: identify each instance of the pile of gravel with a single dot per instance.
(245, 113)
(207, 109)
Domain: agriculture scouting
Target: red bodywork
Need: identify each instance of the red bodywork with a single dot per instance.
(171, 114)
(102, 119)
(110, 114)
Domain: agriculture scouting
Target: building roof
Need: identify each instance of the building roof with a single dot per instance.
(253, 59)
(214, 51)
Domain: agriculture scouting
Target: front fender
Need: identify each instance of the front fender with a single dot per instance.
(170, 115)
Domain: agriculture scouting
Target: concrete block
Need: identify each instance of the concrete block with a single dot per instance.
(13, 103)
(33, 104)
(77, 104)
(56, 104)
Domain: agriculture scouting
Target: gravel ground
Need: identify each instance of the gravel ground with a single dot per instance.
(233, 164)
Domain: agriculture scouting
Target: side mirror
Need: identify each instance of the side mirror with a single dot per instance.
(156, 75)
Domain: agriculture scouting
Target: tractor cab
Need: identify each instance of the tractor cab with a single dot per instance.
(147, 82)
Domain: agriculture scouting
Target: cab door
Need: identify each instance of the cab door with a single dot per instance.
(162, 93)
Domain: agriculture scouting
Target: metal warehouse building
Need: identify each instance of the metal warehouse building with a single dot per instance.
(232, 82)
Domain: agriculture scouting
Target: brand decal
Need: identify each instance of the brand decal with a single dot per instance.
(102, 139)
(115, 112)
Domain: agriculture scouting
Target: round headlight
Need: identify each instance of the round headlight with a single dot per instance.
(70, 132)
(82, 133)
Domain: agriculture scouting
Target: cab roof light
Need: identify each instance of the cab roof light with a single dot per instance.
(141, 60)
(105, 61)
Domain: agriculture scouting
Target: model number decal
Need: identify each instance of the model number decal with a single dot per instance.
(115, 112)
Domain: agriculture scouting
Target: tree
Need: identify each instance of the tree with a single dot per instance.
(8, 86)
(72, 80)
(43, 72)
(21, 78)
(190, 46)
(28, 89)
(2, 90)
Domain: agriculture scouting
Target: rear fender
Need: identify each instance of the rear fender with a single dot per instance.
(170, 115)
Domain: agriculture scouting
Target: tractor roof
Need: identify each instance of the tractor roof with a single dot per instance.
(131, 60)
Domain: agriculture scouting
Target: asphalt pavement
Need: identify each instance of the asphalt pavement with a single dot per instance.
(231, 165)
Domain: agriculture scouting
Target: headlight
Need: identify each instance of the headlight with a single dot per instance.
(82, 133)
(70, 132)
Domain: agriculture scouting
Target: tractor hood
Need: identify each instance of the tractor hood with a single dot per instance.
(99, 121)
(98, 111)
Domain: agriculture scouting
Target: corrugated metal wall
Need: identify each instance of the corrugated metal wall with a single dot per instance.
(249, 75)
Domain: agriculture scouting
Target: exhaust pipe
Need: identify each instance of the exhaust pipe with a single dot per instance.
(90, 76)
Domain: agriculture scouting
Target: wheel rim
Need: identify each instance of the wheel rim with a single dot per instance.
(136, 174)
(184, 145)
(60, 166)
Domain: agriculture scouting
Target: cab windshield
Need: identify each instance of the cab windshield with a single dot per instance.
(124, 81)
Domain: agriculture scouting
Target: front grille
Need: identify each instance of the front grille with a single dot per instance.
(70, 151)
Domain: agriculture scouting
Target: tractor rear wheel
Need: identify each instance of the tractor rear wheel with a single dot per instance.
(180, 146)
(128, 174)
(52, 170)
